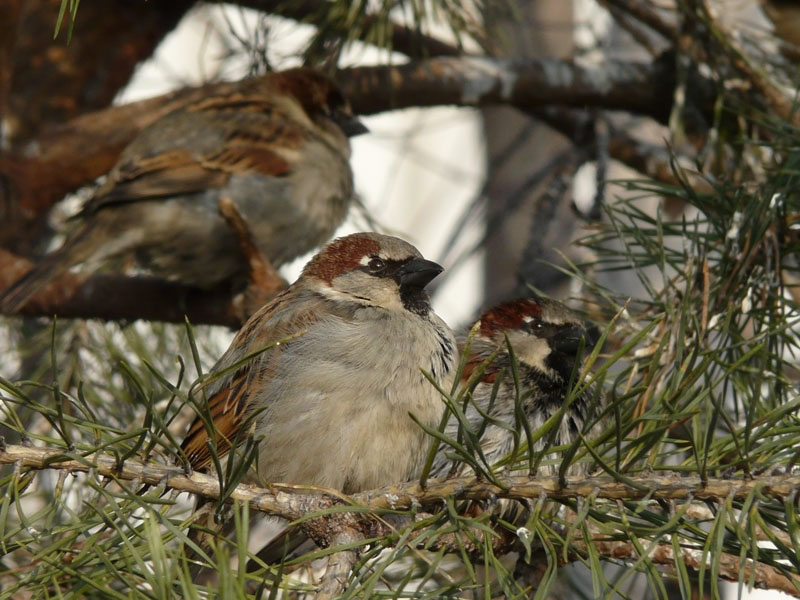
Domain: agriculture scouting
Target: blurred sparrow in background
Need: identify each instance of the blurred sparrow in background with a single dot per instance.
(278, 147)
(329, 406)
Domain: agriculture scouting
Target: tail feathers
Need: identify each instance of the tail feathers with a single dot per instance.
(287, 545)
(75, 250)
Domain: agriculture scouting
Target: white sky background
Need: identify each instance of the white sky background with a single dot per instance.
(415, 171)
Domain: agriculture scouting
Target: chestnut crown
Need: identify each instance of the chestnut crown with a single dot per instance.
(374, 270)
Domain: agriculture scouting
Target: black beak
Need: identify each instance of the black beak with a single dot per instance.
(568, 341)
(349, 124)
(418, 272)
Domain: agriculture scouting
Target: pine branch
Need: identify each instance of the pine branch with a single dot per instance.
(292, 502)
(348, 529)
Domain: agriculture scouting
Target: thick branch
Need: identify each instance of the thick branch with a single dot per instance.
(121, 298)
(479, 81)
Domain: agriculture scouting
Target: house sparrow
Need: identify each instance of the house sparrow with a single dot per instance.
(329, 406)
(545, 336)
(277, 146)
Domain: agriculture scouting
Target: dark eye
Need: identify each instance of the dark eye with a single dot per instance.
(536, 325)
(376, 264)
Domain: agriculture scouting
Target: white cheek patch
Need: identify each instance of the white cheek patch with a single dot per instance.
(365, 260)
(531, 350)
(534, 353)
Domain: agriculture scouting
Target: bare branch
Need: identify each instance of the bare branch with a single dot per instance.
(294, 502)
(640, 88)
(334, 581)
(121, 298)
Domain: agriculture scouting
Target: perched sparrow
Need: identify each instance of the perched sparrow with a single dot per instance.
(278, 147)
(330, 405)
(545, 336)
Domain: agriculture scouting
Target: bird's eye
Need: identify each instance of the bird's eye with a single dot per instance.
(536, 325)
(376, 264)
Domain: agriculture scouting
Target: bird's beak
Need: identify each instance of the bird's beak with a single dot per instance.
(418, 272)
(349, 124)
(568, 341)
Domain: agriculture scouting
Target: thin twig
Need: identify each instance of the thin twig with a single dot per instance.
(731, 567)
(644, 13)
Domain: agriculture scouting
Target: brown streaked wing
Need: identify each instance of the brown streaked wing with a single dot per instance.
(247, 160)
(251, 146)
(227, 408)
(163, 175)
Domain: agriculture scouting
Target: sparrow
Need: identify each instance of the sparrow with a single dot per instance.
(546, 337)
(324, 376)
(277, 146)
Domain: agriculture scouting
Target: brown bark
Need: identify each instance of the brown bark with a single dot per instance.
(638, 88)
(120, 298)
(10, 13)
(46, 81)
(55, 80)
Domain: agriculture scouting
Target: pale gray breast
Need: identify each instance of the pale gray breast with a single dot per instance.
(370, 347)
(343, 393)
